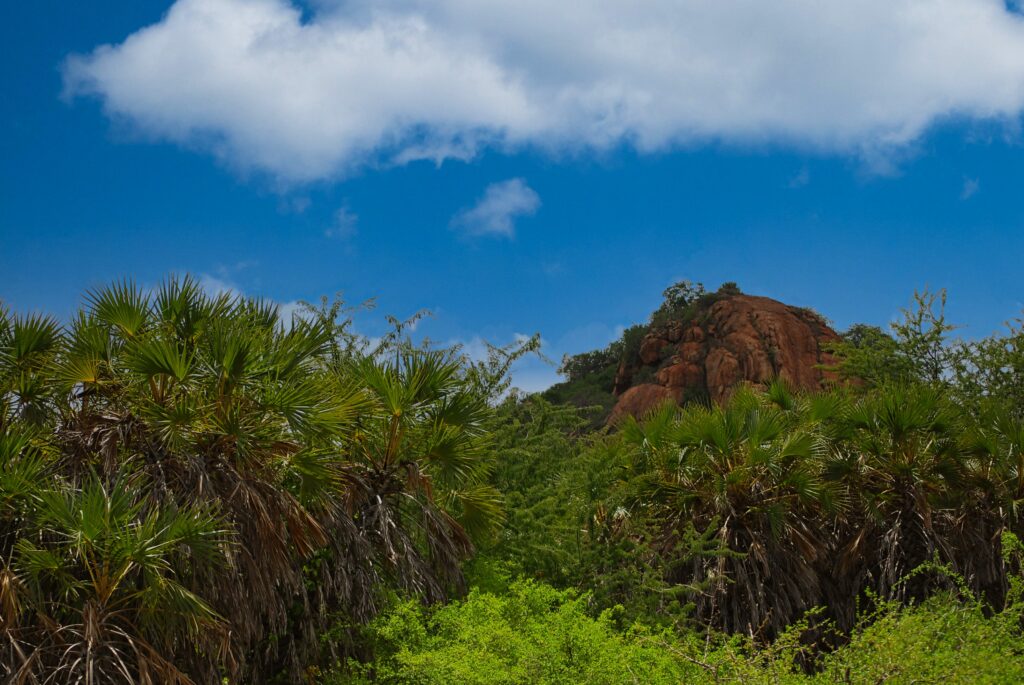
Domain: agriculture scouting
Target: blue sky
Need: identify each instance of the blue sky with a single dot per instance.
(493, 193)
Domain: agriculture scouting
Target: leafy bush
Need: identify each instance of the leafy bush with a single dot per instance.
(192, 489)
(685, 300)
(533, 634)
(941, 641)
(543, 476)
(592, 392)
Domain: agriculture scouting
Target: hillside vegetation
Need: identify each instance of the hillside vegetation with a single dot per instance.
(194, 490)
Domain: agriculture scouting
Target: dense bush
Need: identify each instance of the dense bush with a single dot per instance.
(535, 635)
(822, 498)
(844, 535)
(531, 634)
(544, 480)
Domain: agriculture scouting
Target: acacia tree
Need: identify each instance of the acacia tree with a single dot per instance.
(990, 372)
(916, 350)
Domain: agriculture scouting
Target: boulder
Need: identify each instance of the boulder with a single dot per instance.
(641, 400)
(650, 349)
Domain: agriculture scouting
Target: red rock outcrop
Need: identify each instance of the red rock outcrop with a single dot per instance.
(739, 339)
(640, 399)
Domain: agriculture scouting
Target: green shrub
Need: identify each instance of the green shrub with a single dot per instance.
(940, 641)
(533, 634)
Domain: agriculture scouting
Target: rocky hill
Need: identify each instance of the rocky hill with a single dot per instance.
(739, 339)
(699, 346)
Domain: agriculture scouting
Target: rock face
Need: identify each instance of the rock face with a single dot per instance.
(739, 339)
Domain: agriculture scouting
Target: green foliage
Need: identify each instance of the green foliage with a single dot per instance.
(942, 640)
(984, 372)
(540, 471)
(419, 462)
(753, 473)
(917, 351)
(193, 490)
(679, 302)
(870, 355)
(746, 515)
(111, 578)
(922, 334)
(491, 377)
(683, 301)
(991, 370)
(567, 524)
(577, 367)
(534, 634)
(590, 377)
(590, 391)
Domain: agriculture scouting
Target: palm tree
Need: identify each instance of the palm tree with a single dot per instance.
(903, 465)
(103, 600)
(28, 347)
(312, 474)
(416, 484)
(994, 445)
(212, 401)
(329, 472)
(23, 465)
(752, 473)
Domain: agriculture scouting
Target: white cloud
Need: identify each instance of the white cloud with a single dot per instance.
(390, 81)
(216, 285)
(286, 311)
(495, 213)
(345, 222)
(970, 189)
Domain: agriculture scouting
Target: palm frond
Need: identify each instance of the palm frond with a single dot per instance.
(122, 306)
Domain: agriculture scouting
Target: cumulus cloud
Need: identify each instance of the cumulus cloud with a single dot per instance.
(390, 81)
(495, 213)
